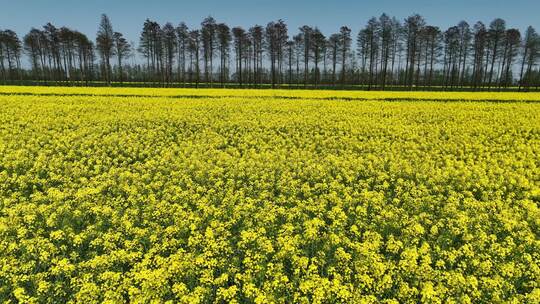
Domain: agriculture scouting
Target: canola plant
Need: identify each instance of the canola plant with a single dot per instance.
(261, 196)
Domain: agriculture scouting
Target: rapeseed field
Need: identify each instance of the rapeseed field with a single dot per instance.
(262, 196)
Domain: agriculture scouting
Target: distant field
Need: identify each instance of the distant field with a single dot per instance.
(279, 94)
(268, 196)
(267, 86)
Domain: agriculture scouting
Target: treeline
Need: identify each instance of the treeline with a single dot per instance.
(387, 53)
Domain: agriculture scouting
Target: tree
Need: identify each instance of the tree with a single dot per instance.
(397, 46)
(386, 35)
(479, 46)
(33, 47)
(224, 41)
(86, 56)
(256, 34)
(345, 44)
(318, 46)
(465, 37)
(75, 50)
(240, 38)
(531, 52)
(413, 26)
(51, 36)
(194, 50)
(334, 47)
(58, 54)
(150, 46)
(182, 34)
(305, 35)
(208, 32)
(387, 52)
(105, 45)
(276, 41)
(290, 59)
(10, 52)
(169, 49)
(512, 42)
(298, 50)
(496, 34)
(451, 56)
(67, 50)
(122, 49)
(371, 46)
(362, 43)
(432, 36)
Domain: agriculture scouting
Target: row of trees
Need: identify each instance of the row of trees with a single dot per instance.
(388, 53)
(10, 54)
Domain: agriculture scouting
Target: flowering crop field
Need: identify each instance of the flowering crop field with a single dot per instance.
(254, 196)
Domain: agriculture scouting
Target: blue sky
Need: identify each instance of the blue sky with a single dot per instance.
(128, 16)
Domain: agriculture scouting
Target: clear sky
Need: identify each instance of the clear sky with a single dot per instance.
(127, 16)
